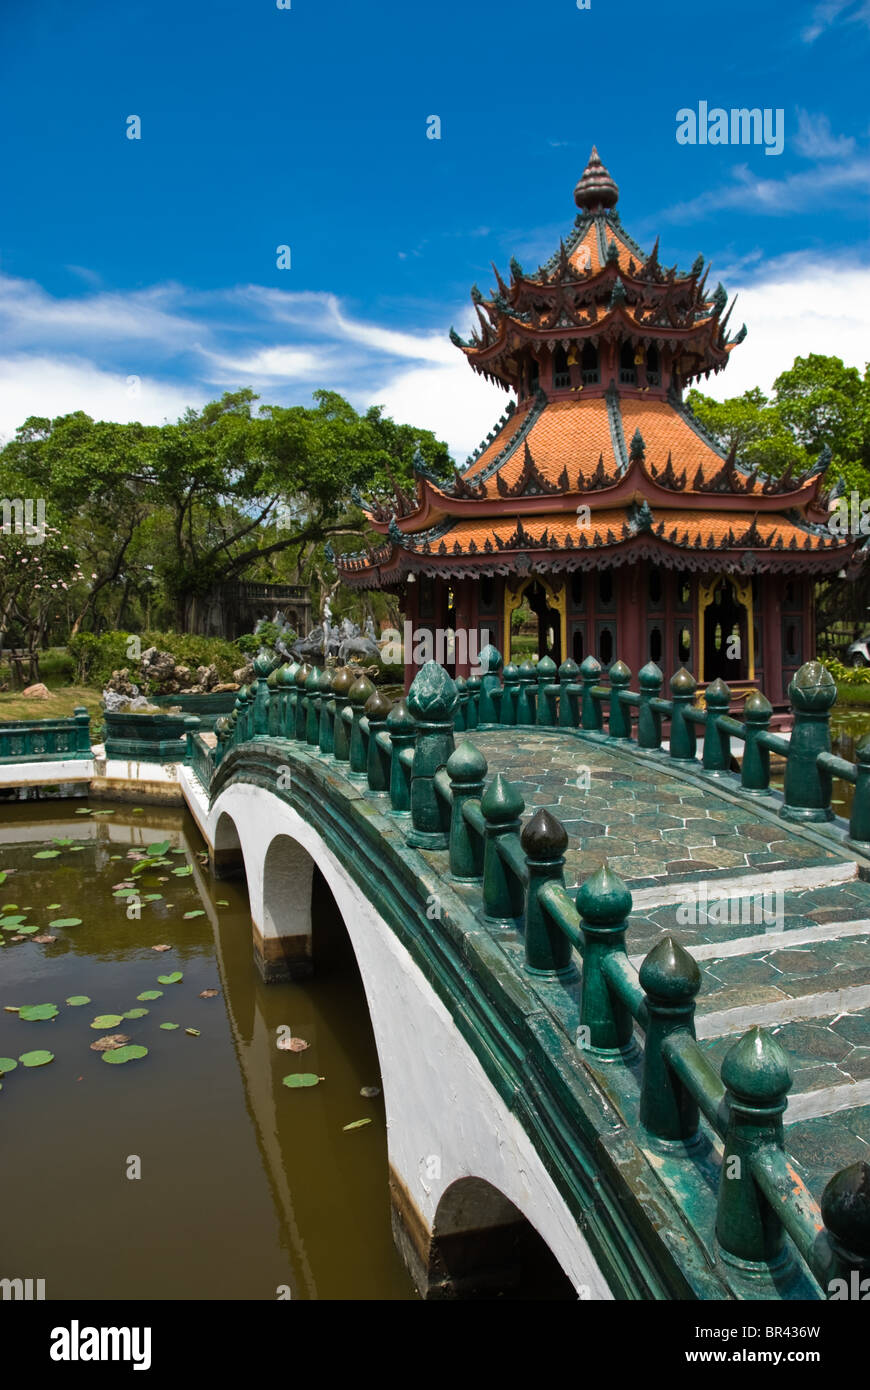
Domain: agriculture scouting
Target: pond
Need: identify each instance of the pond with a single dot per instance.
(245, 1186)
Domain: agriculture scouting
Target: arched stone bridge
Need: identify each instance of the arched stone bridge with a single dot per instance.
(651, 1086)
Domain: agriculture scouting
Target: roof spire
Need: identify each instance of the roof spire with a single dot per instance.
(596, 189)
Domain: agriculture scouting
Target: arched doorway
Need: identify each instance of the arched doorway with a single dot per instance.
(546, 599)
(483, 1247)
(726, 635)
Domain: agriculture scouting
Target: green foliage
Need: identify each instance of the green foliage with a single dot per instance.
(268, 634)
(847, 675)
(97, 657)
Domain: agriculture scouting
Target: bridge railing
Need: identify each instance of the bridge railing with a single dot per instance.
(46, 740)
(406, 753)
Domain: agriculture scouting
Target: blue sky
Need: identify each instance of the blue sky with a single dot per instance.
(155, 259)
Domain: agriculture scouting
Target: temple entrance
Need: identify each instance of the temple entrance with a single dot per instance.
(549, 622)
(726, 645)
(543, 632)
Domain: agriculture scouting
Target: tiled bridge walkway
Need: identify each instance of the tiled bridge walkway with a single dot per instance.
(799, 964)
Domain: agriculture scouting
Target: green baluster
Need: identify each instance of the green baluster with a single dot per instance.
(717, 742)
(312, 703)
(301, 701)
(670, 979)
(471, 709)
(503, 897)
(545, 674)
(590, 675)
(82, 729)
(649, 721)
(757, 1077)
(466, 768)
(755, 768)
(341, 684)
(510, 694)
(361, 690)
(377, 710)
(859, 823)
(286, 684)
(192, 726)
(223, 728)
(490, 661)
(683, 738)
(432, 701)
(603, 903)
(525, 699)
(807, 786)
(548, 949)
(619, 722)
(326, 732)
(264, 665)
(402, 728)
(846, 1213)
(569, 674)
(272, 681)
(459, 720)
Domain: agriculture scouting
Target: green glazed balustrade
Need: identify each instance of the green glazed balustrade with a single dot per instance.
(46, 740)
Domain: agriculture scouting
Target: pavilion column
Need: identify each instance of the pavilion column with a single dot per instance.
(771, 588)
(412, 609)
(808, 650)
(464, 607)
(631, 616)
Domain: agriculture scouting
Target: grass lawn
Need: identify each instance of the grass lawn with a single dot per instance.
(61, 704)
(852, 695)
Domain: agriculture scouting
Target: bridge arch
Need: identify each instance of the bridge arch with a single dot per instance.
(446, 1123)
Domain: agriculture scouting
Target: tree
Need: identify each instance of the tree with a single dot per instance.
(754, 425)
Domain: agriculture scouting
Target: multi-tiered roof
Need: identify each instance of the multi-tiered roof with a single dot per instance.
(609, 433)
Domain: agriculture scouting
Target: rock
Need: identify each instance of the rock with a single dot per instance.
(37, 692)
(109, 1041)
(223, 688)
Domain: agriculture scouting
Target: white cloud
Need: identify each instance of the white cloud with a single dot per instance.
(796, 306)
(28, 315)
(52, 386)
(815, 141)
(826, 14)
(268, 365)
(774, 197)
(452, 400)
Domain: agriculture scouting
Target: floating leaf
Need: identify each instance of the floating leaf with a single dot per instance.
(27, 930)
(52, 907)
(10, 923)
(63, 843)
(84, 811)
(66, 922)
(152, 897)
(137, 810)
(208, 993)
(150, 994)
(370, 1092)
(197, 912)
(183, 873)
(126, 893)
(161, 947)
(293, 1044)
(170, 979)
(157, 851)
(11, 1008)
(135, 1013)
(109, 1041)
(7, 1064)
(222, 902)
(44, 940)
(77, 849)
(302, 1078)
(2, 875)
(36, 1059)
(76, 999)
(106, 1021)
(103, 813)
(194, 1032)
(125, 1054)
(179, 851)
(358, 1124)
(35, 1013)
(169, 1026)
(47, 854)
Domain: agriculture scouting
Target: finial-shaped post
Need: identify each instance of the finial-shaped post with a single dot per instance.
(326, 734)
(402, 728)
(510, 694)
(471, 709)
(755, 768)
(526, 694)
(717, 742)
(358, 694)
(569, 674)
(342, 681)
(545, 700)
(264, 664)
(807, 786)
(846, 1214)
(312, 720)
(490, 661)
(548, 949)
(619, 721)
(670, 979)
(604, 903)
(466, 768)
(757, 1079)
(301, 701)
(432, 701)
(459, 720)
(502, 807)
(377, 710)
(590, 675)
(223, 729)
(683, 739)
(649, 721)
(859, 823)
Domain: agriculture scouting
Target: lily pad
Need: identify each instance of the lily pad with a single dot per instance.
(47, 854)
(169, 1027)
(52, 907)
(11, 923)
(106, 1021)
(78, 849)
(161, 947)
(76, 999)
(135, 1013)
(36, 1059)
(35, 1013)
(7, 1064)
(197, 912)
(152, 898)
(170, 979)
(179, 851)
(293, 1044)
(125, 1054)
(28, 930)
(183, 873)
(66, 922)
(43, 940)
(370, 1092)
(62, 842)
(208, 993)
(302, 1078)
(84, 811)
(126, 893)
(157, 851)
(150, 994)
(358, 1124)
(222, 902)
(194, 1032)
(2, 875)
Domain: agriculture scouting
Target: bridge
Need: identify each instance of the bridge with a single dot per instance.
(652, 1084)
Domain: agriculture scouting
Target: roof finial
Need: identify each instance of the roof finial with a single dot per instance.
(596, 188)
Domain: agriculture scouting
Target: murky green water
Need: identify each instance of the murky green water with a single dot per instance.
(245, 1185)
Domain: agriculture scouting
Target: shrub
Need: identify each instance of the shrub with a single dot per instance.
(848, 675)
(97, 657)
